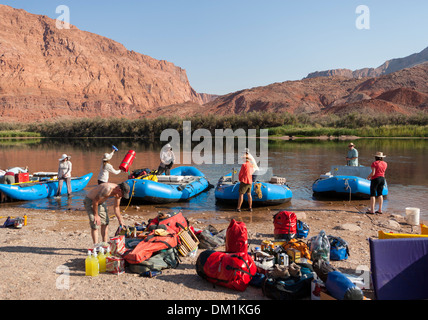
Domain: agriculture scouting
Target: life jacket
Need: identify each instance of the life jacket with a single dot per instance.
(149, 246)
(299, 245)
(285, 225)
(236, 237)
(230, 270)
(154, 242)
(173, 222)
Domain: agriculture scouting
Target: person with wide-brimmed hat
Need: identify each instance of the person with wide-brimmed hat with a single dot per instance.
(64, 174)
(352, 156)
(107, 168)
(377, 178)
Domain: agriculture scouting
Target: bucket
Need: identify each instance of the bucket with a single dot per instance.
(412, 216)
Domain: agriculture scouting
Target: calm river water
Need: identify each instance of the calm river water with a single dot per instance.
(300, 161)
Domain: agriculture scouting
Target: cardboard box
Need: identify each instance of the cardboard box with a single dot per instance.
(278, 180)
(294, 255)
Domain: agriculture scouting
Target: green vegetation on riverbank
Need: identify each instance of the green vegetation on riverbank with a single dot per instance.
(18, 134)
(278, 124)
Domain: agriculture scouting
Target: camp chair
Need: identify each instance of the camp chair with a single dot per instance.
(399, 268)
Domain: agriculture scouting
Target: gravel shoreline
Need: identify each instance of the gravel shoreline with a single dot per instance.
(45, 259)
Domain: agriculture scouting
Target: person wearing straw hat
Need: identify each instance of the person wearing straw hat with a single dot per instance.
(377, 178)
(107, 168)
(352, 156)
(64, 174)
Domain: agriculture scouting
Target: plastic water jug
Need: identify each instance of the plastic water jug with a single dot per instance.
(102, 260)
(92, 265)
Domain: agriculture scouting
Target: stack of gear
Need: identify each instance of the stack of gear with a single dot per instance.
(159, 244)
(234, 268)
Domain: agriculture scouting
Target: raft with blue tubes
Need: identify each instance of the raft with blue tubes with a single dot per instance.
(338, 184)
(262, 193)
(182, 184)
(36, 190)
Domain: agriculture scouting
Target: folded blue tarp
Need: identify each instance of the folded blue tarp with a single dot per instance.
(400, 268)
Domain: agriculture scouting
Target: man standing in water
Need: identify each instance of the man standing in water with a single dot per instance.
(97, 210)
(352, 157)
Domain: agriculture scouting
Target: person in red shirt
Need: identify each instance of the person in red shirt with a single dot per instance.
(377, 177)
(246, 182)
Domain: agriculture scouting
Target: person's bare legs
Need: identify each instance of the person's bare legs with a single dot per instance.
(250, 200)
(240, 200)
(380, 200)
(94, 234)
(104, 233)
(372, 204)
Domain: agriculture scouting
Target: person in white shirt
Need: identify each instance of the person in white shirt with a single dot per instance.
(64, 174)
(106, 168)
(167, 158)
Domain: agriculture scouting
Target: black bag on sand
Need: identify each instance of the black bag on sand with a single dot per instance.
(291, 288)
(210, 238)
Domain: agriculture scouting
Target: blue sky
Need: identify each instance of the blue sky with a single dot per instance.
(231, 45)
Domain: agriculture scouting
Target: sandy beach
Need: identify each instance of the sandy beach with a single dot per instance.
(45, 259)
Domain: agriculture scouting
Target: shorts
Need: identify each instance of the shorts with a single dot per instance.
(102, 212)
(376, 186)
(244, 188)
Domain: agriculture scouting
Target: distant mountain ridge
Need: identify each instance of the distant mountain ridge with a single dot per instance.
(388, 67)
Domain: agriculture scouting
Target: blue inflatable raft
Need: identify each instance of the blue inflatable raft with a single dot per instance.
(262, 193)
(345, 182)
(182, 184)
(42, 189)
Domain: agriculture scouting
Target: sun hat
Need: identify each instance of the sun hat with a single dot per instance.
(125, 189)
(107, 156)
(379, 155)
(351, 144)
(63, 157)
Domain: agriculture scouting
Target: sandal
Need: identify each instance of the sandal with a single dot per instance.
(378, 212)
(368, 212)
(238, 210)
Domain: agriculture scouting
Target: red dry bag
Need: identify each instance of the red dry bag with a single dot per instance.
(236, 237)
(285, 225)
(127, 161)
(230, 270)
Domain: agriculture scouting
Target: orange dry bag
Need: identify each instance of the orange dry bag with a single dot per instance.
(127, 161)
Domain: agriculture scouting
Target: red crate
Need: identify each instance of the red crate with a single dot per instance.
(22, 177)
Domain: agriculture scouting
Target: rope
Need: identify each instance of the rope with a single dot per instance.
(258, 190)
(130, 198)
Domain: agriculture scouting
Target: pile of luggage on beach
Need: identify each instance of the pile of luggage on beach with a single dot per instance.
(288, 267)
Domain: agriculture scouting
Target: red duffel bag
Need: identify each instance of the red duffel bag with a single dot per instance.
(230, 270)
(285, 225)
(236, 237)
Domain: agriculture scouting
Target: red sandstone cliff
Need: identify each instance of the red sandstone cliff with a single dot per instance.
(50, 73)
(404, 91)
